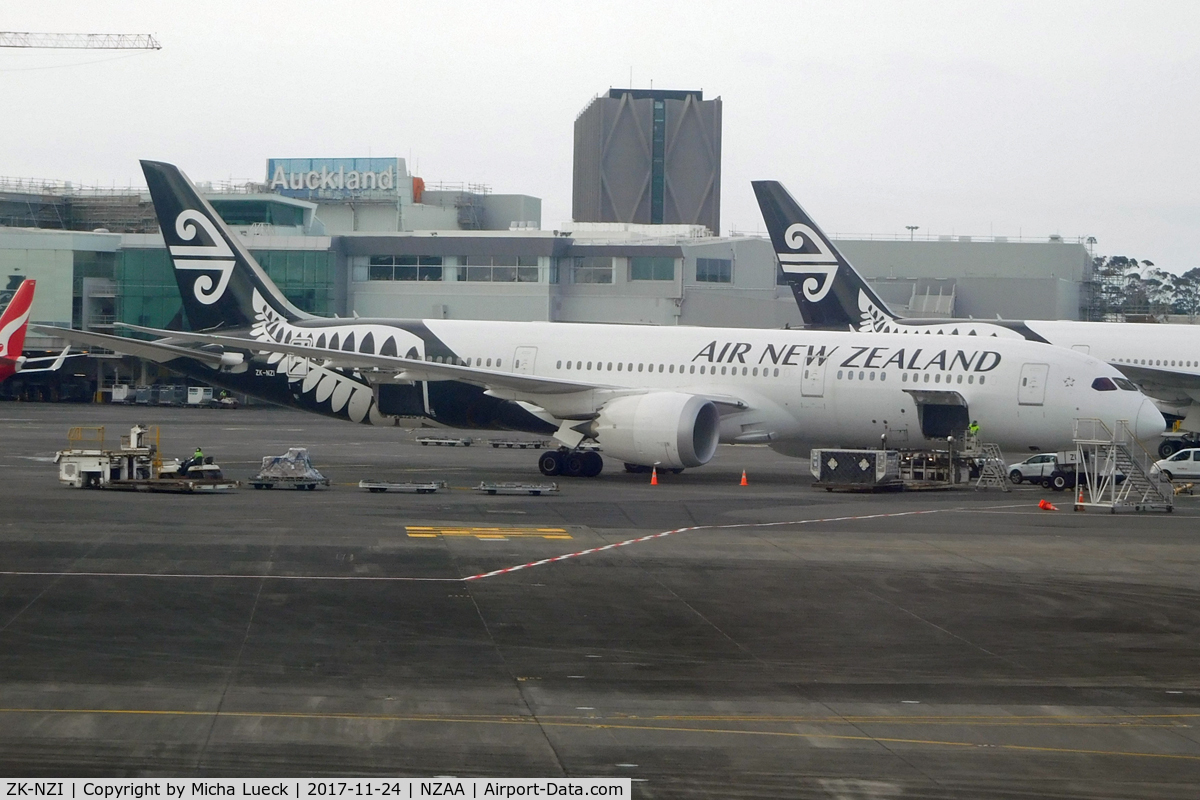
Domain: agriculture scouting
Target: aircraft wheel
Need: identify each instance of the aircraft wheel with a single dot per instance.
(550, 464)
(573, 466)
(592, 464)
(1015, 476)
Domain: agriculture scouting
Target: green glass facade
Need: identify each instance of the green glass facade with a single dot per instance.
(148, 294)
(305, 277)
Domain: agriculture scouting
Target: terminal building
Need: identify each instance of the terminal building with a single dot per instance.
(346, 236)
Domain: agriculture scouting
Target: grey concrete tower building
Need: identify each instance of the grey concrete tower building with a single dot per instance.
(649, 156)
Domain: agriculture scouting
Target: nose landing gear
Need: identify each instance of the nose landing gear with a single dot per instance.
(571, 463)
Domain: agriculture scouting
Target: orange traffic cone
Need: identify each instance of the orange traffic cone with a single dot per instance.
(654, 476)
(1079, 500)
(744, 478)
(1045, 506)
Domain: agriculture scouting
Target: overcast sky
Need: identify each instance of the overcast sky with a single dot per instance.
(964, 118)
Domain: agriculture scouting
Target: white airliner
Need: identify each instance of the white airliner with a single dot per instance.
(649, 395)
(1163, 360)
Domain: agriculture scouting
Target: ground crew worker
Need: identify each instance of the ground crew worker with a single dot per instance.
(973, 429)
(198, 456)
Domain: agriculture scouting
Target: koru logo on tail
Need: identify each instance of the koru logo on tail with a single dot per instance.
(215, 257)
(821, 264)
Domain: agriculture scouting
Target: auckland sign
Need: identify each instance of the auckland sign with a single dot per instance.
(334, 177)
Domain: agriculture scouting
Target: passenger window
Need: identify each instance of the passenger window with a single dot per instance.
(1180, 457)
(1104, 385)
(777, 372)
(589, 365)
(1196, 455)
(489, 362)
(558, 365)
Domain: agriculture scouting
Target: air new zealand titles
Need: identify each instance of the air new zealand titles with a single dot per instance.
(917, 358)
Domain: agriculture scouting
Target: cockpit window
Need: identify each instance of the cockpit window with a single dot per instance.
(1125, 384)
(1104, 385)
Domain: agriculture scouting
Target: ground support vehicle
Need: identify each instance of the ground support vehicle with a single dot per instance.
(517, 488)
(448, 441)
(1183, 464)
(293, 468)
(428, 487)
(135, 466)
(1174, 441)
(537, 444)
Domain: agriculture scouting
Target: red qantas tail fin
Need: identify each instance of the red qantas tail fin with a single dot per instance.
(13, 322)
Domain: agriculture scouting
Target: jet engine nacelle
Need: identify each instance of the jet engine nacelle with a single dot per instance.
(668, 429)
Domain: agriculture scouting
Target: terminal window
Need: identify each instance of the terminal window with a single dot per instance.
(592, 269)
(714, 270)
(498, 269)
(651, 268)
(405, 268)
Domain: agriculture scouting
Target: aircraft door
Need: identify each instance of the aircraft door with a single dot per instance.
(297, 367)
(812, 383)
(524, 359)
(1032, 389)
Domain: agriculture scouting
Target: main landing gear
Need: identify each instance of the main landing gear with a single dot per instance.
(571, 463)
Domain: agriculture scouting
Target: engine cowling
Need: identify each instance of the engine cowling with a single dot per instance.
(668, 429)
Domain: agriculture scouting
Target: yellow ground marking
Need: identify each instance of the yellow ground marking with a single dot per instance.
(429, 532)
(596, 723)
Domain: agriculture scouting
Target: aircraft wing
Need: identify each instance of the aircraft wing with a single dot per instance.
(158, 352)
(407, 368)
(506, 384)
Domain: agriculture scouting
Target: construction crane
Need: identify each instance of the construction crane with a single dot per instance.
(80, 41)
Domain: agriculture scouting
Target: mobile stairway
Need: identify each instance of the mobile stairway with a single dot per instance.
(1105, 454)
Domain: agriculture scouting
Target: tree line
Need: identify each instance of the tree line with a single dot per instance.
(1127, 287)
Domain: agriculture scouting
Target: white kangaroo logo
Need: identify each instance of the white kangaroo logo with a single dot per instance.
(215, 257)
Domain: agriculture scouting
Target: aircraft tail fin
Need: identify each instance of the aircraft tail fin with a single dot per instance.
(830, 292)
(14, 320)
(218, 278)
